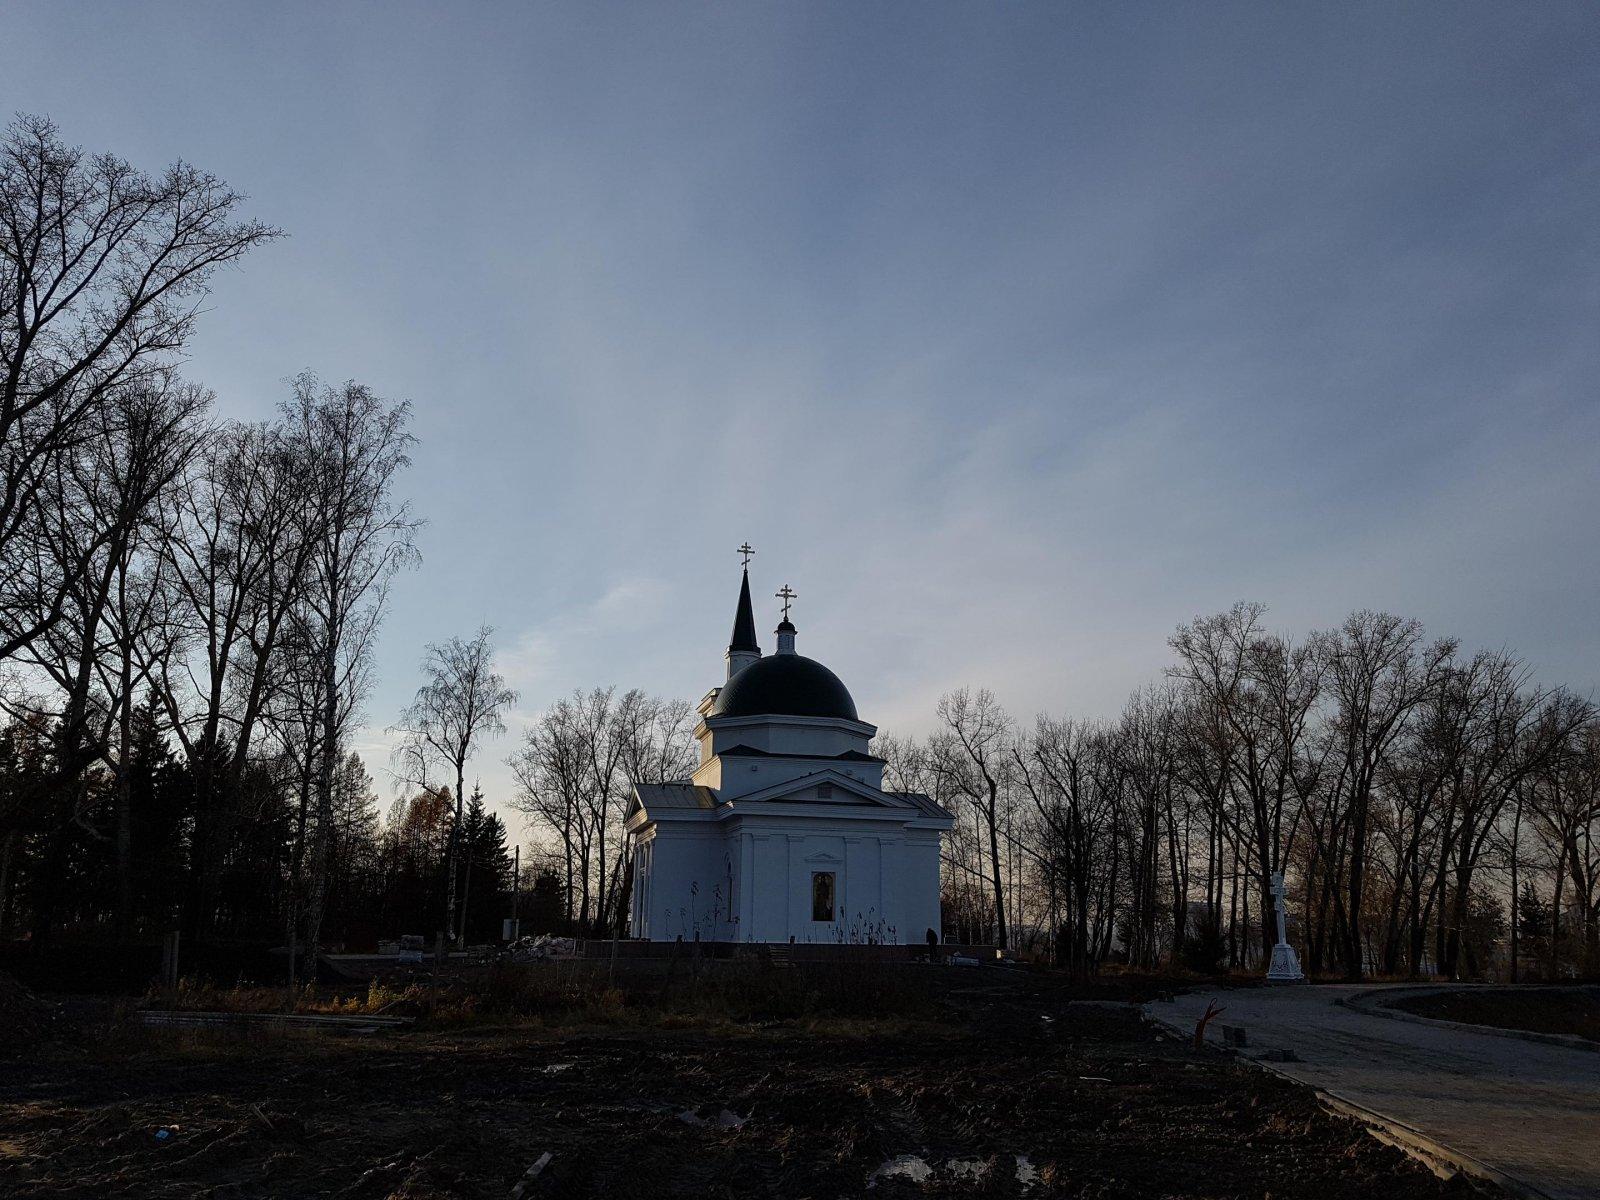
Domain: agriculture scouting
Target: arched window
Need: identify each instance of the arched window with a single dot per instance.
(822, 895)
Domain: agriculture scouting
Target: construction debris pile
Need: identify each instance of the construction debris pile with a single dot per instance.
(542, 948)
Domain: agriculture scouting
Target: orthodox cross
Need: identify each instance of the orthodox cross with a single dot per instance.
(787, 595)
(1279, 893)
(746, 551)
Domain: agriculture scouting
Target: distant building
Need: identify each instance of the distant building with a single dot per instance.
(784, 831)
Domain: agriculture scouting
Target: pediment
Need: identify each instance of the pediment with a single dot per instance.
(847, 791)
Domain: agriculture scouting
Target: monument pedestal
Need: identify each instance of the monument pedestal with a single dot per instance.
(1285, 966)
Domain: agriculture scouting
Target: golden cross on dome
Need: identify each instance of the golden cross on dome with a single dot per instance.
(786, 594)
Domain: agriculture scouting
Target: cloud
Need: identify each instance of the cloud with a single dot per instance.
(1010, 339)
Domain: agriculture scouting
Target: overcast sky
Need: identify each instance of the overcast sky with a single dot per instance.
(1010, 335)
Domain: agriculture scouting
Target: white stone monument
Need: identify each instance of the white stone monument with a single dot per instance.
(1285, 966)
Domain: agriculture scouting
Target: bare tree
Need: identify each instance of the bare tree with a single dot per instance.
(1262, 691)
(461, 701)
(575, 770)
(1379, 673)
(240, 539)
(1503, 731)
(552, 772)
(1072, 773)
(1565, 797)
(110, 484)
(654, 745)
(102, 272)
(362, 535)
(1147, 748)
(981, 732)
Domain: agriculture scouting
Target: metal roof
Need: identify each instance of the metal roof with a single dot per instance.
(789, 685)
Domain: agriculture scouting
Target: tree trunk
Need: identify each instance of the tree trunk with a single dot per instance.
(125, 804)
(466, 894)
(993, 815)
(450, 853)
(8, 851)
(327, 759)
(1356, 878)
(1516, 899)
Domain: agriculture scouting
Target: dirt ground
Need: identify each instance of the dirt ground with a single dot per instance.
(1570, 1010)
(1013, 1091)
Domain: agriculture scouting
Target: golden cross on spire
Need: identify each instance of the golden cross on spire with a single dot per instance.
(787, 595)
(746, 551)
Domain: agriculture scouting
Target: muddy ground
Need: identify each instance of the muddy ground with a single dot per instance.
(1011, 1091)
(1570, 1010)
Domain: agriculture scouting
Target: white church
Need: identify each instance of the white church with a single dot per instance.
(784, 832)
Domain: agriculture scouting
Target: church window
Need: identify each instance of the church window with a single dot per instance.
(824, 791)
(822, 895)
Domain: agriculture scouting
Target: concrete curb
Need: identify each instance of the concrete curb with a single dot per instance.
(1426, 1150)
(1431, 1153)
(1368, 1004)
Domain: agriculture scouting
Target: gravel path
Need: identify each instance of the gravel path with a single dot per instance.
(1529, 1110)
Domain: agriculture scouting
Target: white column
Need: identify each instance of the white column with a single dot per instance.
(747, 888)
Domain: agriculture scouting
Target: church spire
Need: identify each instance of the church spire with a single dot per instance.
(742, 647)
(744, 620)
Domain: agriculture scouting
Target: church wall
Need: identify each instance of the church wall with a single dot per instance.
(770, 906)
(779, 865)
(809, 854)
(920, 902)
(754, 882)
(691, 885)
(892, 884)
(864, 918)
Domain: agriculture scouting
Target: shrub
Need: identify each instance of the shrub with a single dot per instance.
(1204, 948)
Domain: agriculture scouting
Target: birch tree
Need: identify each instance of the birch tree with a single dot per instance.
(462, 700)
(362, 533)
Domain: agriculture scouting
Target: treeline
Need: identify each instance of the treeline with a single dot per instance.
(188, 608)
(384, 876)
(187, 604)
(1432, 811)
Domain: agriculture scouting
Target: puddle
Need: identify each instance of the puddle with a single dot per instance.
(970, 1169)
(1027, 1173)
(902, 1166)
(917, 1170)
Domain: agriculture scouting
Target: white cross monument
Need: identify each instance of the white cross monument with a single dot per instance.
(1285, 966)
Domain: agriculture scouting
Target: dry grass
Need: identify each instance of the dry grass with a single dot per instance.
(195, 994)
(584, 993)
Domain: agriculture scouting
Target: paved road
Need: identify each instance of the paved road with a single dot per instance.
(1527, 1109)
